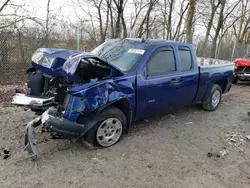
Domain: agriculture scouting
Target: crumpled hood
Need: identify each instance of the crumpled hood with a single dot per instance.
(64, 62)
(71, 65)
(58, 53)
(50, 61)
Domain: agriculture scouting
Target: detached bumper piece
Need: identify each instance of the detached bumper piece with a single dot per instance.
(37, 102)
(51, 123)
(29, 142)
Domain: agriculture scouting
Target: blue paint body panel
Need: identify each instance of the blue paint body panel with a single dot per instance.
(146, 96)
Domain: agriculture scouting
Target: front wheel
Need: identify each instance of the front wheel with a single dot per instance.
(213, 100)
(109, 128)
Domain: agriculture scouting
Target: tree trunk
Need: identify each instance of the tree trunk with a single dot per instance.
(189, 21)
(125, 33)
(119, 6)
(169, 25)
(165, 19)
(210, 23)
(46, 42)
(218, 28)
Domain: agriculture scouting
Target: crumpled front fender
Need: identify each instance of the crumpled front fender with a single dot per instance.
(99, 95)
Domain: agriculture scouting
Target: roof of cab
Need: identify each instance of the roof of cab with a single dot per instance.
(157, 41)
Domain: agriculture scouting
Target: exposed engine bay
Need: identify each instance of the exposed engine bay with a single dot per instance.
(46, 90)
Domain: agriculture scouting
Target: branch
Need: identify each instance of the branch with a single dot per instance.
(19, 20)
(231, 10)
(4, 5)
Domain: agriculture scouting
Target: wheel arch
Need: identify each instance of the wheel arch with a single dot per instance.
(223, 84)
(124, 105)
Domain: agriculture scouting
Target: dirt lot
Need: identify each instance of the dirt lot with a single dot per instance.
(168, 151)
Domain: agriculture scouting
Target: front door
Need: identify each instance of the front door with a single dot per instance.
(159, 85)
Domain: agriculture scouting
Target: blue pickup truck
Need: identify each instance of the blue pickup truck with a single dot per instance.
(97, 95)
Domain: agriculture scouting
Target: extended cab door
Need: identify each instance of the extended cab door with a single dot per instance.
(158, 85)
(188, 75)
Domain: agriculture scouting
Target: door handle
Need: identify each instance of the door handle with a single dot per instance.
(160, 85)
(175, 80)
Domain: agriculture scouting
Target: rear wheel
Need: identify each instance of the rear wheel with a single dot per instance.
(213, 101)
(109, 128)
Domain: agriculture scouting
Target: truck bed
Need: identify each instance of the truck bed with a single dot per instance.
(213, 71)
(204, 62)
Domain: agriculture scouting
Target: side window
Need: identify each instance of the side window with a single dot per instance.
(162, 62)
(186, 59)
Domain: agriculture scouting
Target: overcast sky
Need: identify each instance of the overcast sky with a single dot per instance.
(66, 10)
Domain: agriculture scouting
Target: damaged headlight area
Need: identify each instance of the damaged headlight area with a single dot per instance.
(40, 58)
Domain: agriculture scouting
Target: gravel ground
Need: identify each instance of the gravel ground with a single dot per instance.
(187, 148)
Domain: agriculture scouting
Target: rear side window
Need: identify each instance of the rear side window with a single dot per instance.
(186, 59)
(162, 62)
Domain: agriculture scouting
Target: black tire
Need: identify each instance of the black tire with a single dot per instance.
(207, 103)
(235, 80)
(109, 112)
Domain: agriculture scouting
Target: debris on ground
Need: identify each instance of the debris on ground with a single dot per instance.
(235, 139)
(55, 136)
(172, 116)
(223, 153)
(150, 166)
(188, 123)
(6, 153)
(216, 154)
(210, 154)
(6, 156)
(248, 137)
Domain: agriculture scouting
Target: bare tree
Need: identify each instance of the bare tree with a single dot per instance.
(189, 21)
(4, 5)
(177, 31)
(139, 7)
(47, 22)
(243, 22)
(146, 20)
(169, 23)
(221, 20)
(214, 4)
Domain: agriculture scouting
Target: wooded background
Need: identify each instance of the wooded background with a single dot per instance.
(218, 28)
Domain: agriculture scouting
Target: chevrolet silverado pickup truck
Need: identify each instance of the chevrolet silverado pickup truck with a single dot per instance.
(97, 95)
(242, 69)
